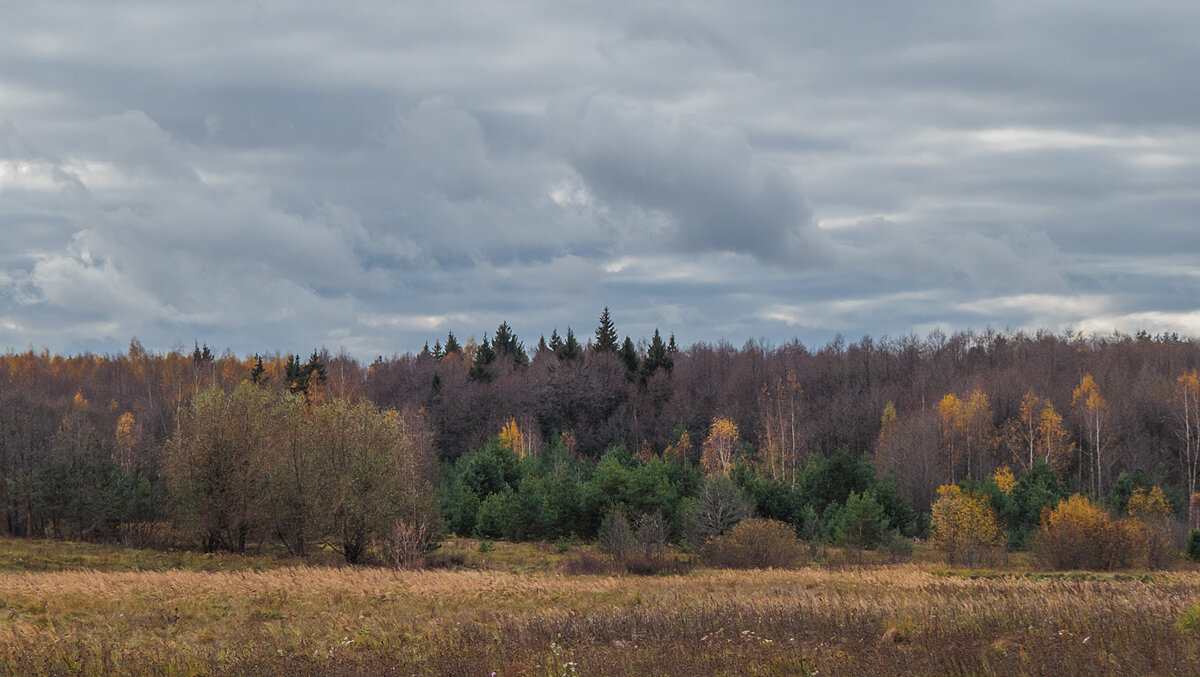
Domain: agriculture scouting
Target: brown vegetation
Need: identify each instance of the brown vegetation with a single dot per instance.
(319, 620)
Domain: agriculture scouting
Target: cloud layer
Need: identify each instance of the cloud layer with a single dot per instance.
(284, 175)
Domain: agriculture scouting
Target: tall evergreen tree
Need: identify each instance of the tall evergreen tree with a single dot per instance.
(256, 373)
(570, 348)
(437, 350)
(671, 347)
(556, 343)
(484, 356)
(606, 334)
(507, 345)
(656, 357)
(629, 356)
(452, 345)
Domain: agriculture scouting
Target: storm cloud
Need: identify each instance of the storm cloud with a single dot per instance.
(283, 175)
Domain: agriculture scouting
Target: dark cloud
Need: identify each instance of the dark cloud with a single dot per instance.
(266, 175)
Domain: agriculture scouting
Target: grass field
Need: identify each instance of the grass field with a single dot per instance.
(97, 610)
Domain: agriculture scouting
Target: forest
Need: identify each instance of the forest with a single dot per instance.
(850, 443)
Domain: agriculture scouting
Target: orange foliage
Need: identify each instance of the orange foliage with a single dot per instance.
(1004, 479)
(511, 437)
(1080, 534)
(722, 441)
(965, 527)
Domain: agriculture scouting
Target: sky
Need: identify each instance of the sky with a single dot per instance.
(368, 176)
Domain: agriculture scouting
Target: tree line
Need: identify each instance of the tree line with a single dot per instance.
(89, 443)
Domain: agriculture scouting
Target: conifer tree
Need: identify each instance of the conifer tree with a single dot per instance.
(570, 348)
(506, 344)
(606, 334)
(629, 356)
(484, 357)
(452, 345)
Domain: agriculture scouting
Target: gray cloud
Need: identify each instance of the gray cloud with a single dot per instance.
(285, 175)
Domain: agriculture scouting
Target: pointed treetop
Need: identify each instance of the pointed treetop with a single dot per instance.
(570, 349)
(606, 334)
(508, 345)
(628, 355)
(452, 345)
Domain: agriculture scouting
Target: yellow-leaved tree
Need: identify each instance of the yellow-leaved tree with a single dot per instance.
(127, 436)
(964, 526)
(1005, 479)
(511, 437)
(1092, 409)
(1151, 509)
(1080, 534)
(722, 441)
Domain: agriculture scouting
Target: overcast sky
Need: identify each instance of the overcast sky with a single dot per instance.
(269, 176)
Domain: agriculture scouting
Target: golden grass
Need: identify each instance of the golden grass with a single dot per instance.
(902, 618)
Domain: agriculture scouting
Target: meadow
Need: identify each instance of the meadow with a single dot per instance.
(102, 610)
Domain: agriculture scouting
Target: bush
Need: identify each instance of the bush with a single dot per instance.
(1079, 534)
(754, 544)
(1151, 509)
(963, 526)
(615, 536)
(407, 543)
(1193, 545)
(718, 507)
(586, 562)
(896, 546)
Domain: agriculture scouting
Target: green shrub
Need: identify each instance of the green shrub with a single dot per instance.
(1193, 545)
(754, 544)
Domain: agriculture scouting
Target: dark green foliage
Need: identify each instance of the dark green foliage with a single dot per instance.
(629, 356)
(830, 479)
(606, 334)
(256, 373)
(1021, 509)
(1193, 545)
(301, 377)
(1123, 488)
(498, 515)
(452, 345)
(492, 493)
(484, 356)
(656, 358)
(568, 349)
(862, 523)
(508, 346)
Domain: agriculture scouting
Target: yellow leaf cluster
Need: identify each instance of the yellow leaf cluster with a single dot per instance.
(1080, 534)
(965, 527)
(722, 440)
(681, 450)
(511, 437)
(1004, 479)
(1149, 505)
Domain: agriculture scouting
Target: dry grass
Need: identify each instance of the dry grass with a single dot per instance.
(325, 620)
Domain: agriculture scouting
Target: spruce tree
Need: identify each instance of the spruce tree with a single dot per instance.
(629, 356)
(484, 356)
(570, 348)
(606, 334)
(656, 357)
(452, 345)
(506, 344)
(256, 373)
